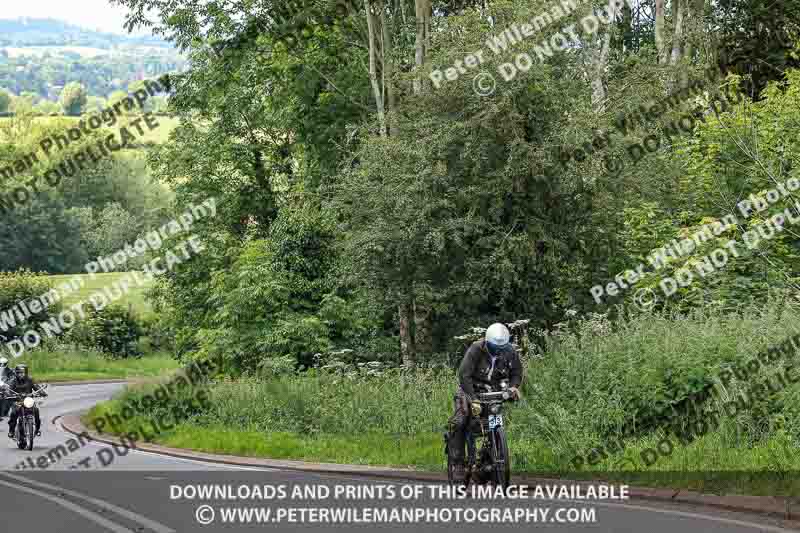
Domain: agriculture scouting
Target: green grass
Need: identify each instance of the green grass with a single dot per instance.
(134, 297)
(80, 365)
(362, 449)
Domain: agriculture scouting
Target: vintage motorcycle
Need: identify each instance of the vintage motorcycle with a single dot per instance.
(25, 430)
(492, 462)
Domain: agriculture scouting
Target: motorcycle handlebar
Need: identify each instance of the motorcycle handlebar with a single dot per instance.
(493, 396)
(35, 394)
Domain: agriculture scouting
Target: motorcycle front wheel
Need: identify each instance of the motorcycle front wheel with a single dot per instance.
(502, 460)
(29, 431)
(21, 441)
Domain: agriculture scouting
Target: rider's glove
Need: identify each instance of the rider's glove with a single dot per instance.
(514, 393)
(476, 408)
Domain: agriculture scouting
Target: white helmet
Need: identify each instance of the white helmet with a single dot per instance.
(497, 336)
(3, 362)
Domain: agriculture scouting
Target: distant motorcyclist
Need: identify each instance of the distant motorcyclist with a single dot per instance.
(23, 385)
(486, 363)
(6, 375)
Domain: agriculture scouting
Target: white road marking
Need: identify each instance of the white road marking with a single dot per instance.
(89, 515)
(139, 519)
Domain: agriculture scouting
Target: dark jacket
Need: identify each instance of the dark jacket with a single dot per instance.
(476, 367)
(23, 386)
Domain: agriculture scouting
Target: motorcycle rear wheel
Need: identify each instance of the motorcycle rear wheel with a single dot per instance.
(451, 466)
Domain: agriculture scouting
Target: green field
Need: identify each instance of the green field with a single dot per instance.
(159, 135)
(134, 298)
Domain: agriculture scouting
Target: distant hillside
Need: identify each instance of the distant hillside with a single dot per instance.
(51, 32)
(38, 57)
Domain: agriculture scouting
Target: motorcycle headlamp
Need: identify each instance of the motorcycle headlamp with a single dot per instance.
(494, 409)
(28, 402)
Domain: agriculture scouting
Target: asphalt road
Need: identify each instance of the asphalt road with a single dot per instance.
(143, 492)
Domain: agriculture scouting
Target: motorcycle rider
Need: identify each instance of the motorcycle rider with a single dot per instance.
(23, 385)
(486, 363)
(6, 374)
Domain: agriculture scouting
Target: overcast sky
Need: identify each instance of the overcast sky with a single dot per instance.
(91, 14)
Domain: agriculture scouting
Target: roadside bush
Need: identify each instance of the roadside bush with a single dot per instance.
(159, 334)
(113, 330)
(19, 286)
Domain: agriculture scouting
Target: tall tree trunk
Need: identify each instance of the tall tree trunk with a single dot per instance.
(423, 342)
(407, 352)
(428, 13)
(388, 62)
(627, 29)
(599, 67)
(697, 26)
(661, 44)
(677, 34)
(377, 89)
(422, 10)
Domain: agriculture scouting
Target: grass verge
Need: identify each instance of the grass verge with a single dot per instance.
(67, 365)
(425, 453)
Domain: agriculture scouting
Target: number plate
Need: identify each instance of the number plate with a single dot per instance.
(495, 421)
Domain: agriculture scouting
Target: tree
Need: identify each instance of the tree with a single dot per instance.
(757, 39)
(447, 208)
(22, 104)
(41, 236)
(73, 99)
(46, 107)
(5, 101)
(109, 231)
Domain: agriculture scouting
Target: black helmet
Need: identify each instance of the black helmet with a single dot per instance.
(21, 369)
